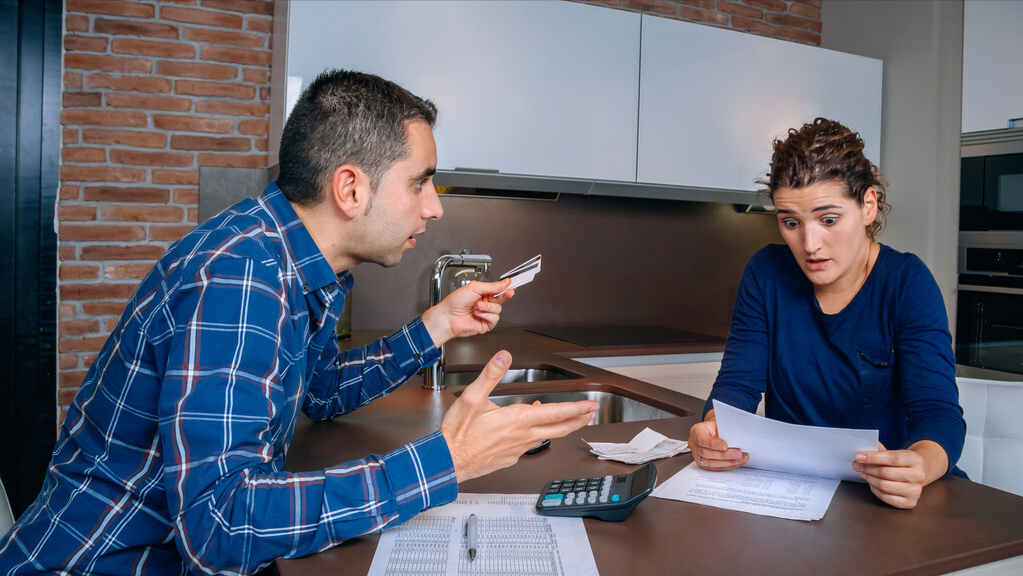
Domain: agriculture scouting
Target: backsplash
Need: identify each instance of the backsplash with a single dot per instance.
(606, 261)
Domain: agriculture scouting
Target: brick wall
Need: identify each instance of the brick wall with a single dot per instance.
(792, 20)
(154, 89)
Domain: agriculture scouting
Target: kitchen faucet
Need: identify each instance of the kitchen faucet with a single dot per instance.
(479, 263)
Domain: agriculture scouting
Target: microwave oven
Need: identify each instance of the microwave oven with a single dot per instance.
(991, 181)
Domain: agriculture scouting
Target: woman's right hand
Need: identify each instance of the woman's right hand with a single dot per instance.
(711, 452)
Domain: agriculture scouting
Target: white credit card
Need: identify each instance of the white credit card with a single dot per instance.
(521, 274)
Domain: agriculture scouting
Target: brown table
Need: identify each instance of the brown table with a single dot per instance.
(957, 524)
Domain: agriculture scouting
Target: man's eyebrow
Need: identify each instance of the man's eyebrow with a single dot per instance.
(425, 174)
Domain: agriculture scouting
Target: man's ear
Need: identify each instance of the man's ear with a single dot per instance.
(348, 190)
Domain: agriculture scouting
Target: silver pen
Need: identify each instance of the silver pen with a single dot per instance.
(470, 534)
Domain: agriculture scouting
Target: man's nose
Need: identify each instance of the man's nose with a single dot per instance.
(432, 208)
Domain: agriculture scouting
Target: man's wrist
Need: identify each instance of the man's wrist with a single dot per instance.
(435, 327)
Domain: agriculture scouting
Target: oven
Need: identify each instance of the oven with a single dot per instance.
(989, 316)
(991, 180)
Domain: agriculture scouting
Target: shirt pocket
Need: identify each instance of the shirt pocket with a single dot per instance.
(876, 367)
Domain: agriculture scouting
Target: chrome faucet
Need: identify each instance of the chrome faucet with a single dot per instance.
(479, 264)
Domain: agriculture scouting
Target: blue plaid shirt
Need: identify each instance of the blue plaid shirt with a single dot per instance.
(170, 458)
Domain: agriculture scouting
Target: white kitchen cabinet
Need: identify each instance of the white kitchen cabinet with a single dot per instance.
(713, 100)
(535, 88)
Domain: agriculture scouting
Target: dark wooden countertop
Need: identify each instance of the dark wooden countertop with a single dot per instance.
(957, 524)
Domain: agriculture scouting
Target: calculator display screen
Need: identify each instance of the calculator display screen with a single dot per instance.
(640, 481)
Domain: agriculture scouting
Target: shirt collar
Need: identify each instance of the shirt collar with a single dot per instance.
(313, 270)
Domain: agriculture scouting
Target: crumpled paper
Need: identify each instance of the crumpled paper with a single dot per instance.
(646, 446)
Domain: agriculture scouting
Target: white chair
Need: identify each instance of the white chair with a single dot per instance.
(993, 454)
(6, 516)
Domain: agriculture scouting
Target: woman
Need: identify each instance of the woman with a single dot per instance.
(839, 330)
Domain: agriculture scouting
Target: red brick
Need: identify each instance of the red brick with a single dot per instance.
(101, 174)
(83, 154)
(73, 80)
(806, 36)
(196, 70)
(235, 55)
(192, 124)
(88, 344)
(771, 5)
(257, 127)
(102, 308)
(243, 39)
(68, 136)
(226, 89)
(787, 20)
(256, 75)
(165, 103)
(233, 160)
(152, 48)
(82, 100)
(259, 24)
(66, 252)
(231, 108)
(78, 327)
(106, 63)
(141, 158)
(752, 25)
(193, 215)
(76, 23)
(175, 177)
(68, 192)
(124, 138)
(814, 3)
(123, 194)
(211, 143)
(100, 233)
(78, 272)
(113, 7)
(816, 26)
(200, 16)
(806, 11)
(68, 361)
(78, 43)
(126, 271)
(134, 28)
(702, 4)
(67, 213)
(129, 213)
(151, 84)
(264, 94)
(263, 7)
(103, 118)
(169, 233)
(133, 252)
(739, 9)
(261, 144)
(186, 195)
(705, 16)
(69, 383)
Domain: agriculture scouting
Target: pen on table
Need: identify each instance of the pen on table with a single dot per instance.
(470, 533)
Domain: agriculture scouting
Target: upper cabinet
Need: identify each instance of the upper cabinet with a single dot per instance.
(531, 88)
(712, 101)
(558, 96)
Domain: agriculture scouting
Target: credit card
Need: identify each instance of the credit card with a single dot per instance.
(522, 274)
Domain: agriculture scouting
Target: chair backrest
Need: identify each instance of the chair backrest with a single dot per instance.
(993, 453)
(6, 516)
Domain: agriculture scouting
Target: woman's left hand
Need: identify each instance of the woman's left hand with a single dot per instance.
(898, 477)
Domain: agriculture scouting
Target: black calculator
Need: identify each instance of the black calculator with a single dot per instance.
(608, 498)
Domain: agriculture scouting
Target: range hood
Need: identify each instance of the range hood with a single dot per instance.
(495, 180)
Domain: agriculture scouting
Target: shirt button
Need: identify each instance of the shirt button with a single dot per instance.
(305, 288)
(330, 288)
(417, 356)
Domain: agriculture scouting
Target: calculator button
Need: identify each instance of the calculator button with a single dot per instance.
(616, 497)
(603, 498)
(551, 503)
(581, 497)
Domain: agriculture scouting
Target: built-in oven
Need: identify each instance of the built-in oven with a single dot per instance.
(991, 181)
(989, 316)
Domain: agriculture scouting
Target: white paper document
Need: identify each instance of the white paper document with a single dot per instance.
(646, 446)
(522, 274)
(784, 447)
(763, 492)
(512, 540)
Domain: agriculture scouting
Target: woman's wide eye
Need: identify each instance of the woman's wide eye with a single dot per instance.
(830, 220)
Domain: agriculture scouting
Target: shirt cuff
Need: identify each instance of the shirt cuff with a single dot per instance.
(412, 346)
(422, 475)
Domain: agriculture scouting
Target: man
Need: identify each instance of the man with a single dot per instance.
(170, 458)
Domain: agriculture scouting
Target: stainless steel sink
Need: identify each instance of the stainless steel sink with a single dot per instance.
(613, 407)
(538, 374)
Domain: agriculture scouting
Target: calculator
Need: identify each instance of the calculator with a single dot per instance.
(608, 498)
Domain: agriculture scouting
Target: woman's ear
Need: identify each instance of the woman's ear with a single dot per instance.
(346, 190)
(869, 206)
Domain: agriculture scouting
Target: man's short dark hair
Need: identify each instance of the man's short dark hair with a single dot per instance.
(346, 117)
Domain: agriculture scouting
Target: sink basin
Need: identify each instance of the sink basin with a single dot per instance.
(613, 407)
(537, 374)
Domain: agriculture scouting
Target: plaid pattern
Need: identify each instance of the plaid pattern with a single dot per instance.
(169, 461)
